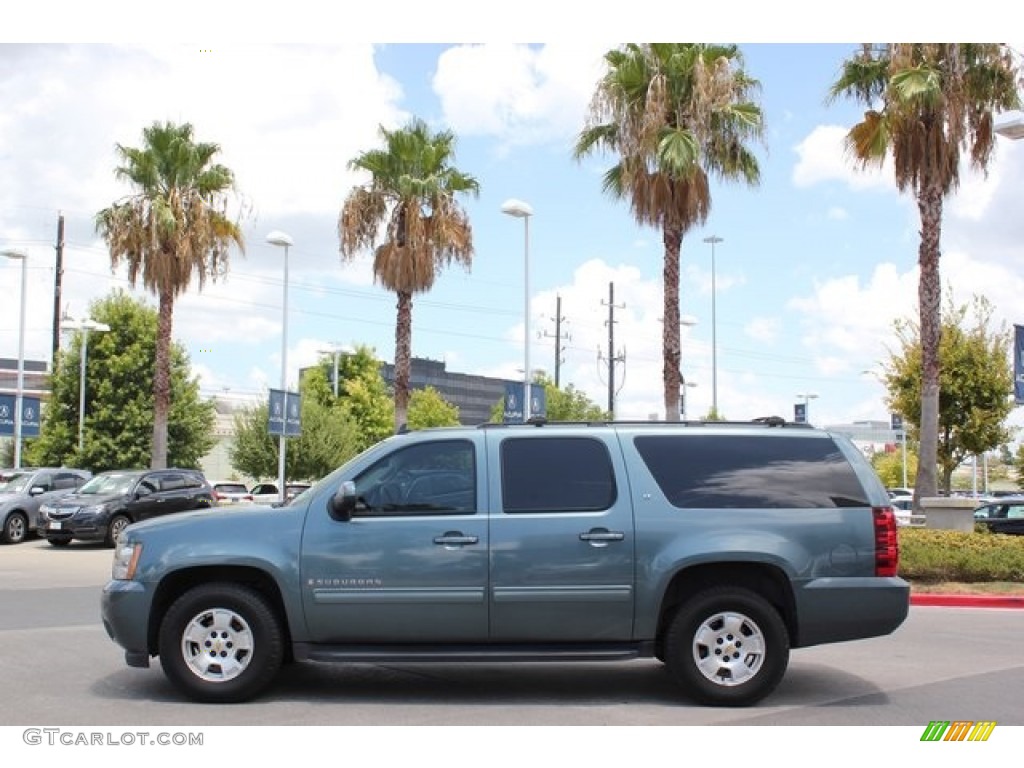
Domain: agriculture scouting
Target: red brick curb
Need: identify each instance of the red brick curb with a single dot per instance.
(969, 601)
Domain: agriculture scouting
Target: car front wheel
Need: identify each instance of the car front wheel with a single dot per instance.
(727, 647)
(15, 528)
(117, 524)
(221, 643)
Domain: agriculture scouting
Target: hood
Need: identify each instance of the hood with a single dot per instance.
(85, 499)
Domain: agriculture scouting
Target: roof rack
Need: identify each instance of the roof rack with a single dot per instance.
(768, 421)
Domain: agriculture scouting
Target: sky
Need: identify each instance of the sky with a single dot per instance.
(814, 264)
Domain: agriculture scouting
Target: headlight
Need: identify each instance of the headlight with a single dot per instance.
(96, 509)
(45, 509)
(126, 559)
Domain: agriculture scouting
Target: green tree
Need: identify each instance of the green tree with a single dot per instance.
(976, 385)
(889, 466)
(409, 207)
(172, 228)
(427, 408)
(328, 438)
(363, 395)
(675, 114)
(927, 104)
(118, 424)
(1018, 466)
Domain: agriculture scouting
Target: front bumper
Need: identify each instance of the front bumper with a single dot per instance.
(125, 607)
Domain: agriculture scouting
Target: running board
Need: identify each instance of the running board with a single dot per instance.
(471, 653)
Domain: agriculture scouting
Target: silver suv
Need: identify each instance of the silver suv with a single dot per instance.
(23, 491)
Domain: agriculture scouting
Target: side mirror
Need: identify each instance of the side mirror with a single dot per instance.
(341, 505)
(36, 490)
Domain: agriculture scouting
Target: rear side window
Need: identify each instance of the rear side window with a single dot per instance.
(562, 474)
(720, 471)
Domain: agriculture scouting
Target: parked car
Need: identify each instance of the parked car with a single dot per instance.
(903, 508)
(230, 492)
(24, 491)
(519, 543)
(111, 501)
(1004, 515)
(267, 493)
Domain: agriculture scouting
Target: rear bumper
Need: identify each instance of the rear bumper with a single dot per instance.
(834, 610)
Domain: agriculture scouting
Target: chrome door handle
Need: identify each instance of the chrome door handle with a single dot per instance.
(602, 536)
(456, 539)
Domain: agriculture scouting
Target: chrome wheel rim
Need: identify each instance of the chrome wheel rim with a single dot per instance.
(217, 645)
(15, 529)
(729, 648)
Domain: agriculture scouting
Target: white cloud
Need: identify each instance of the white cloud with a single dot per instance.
(823, 157)
(520, 94)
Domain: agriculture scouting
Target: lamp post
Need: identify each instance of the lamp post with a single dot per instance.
(521, 210)
(334, 351)
(714, 240)
(85, 326)
(279, 238)
(807, 397)
(23, 257)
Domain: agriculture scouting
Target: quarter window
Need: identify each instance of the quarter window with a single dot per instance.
(736, 471)
(559, 474)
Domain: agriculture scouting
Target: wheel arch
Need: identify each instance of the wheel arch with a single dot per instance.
(179, 582)
(768, 581)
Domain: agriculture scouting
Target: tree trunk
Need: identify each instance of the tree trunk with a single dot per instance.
(162, 380)
(672, 237)
(929, 297)
(403, 358)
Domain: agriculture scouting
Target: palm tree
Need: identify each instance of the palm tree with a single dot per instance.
(925, 105)
(675, 114)
(409, 208)
(173, 227)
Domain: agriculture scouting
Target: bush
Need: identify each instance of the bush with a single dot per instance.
(929, 555)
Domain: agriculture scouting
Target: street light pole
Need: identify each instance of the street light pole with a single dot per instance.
(520, 210)
(18, 401)
(281, 239)
(714, 240)
(85, 326)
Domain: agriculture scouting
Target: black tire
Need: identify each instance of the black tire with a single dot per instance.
(727, 646)
(221, 643)
(15, 528)
(59, 542)
(117, 524)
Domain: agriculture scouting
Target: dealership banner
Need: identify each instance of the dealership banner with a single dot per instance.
(29, 415)
(1018, 364)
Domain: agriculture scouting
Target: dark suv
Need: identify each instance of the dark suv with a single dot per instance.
(111, 501)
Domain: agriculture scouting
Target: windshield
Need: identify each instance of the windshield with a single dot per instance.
(16, 484)
(108, 484)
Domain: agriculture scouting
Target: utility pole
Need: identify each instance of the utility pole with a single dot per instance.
(558, 337)
(612, 357)
(58, 279)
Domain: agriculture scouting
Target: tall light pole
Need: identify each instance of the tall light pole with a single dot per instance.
(714, 240)
(334, 351)
(521, 210)
(23, 257)
(807, 397)
(85, 326)
(279, 238)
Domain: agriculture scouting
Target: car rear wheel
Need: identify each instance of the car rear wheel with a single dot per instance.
(15, 528)
(727, 646)
(117, 524)
(221, 643)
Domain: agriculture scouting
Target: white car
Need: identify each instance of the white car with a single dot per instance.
(267, 493)
(230, 492)
(903, 506)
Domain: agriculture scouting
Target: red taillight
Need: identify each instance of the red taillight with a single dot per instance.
(247, 497)
(887, 545)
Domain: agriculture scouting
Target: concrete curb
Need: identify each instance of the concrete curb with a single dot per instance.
(969, 601)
